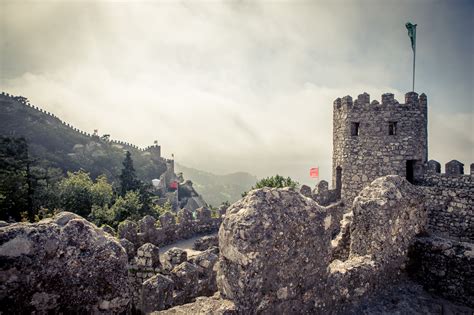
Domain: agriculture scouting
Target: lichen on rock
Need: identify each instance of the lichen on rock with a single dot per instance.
(63, 264)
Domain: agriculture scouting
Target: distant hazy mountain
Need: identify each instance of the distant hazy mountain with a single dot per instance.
(216, 189)
(55, 143)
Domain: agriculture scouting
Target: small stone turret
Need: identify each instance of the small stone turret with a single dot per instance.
(376, 139)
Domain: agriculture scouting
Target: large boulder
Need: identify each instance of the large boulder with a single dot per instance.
(274, 250)
(276, 254)
(387, 215)
(385, 218)
(64, 264)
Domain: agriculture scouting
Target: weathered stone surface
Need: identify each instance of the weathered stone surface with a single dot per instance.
(174, 257)
(377, 140)
(129, 248)
(305, 190)
(63, 264)
(450, 201)
(167, 220)
(185, 216)
(454, 167)
(108, 229)
(148, 255)
(185, 277)
(445, 267)
(157, 294)
(128, 230)
(276, 255)
(222, 210)
(214, 305)
(206, 242)
(147, 228)
(203, 214)
(387, 215)
(406, 297)
(273, 249)
(206, 266)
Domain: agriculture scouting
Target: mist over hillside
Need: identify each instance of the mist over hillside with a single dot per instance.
(55, 143)
(216, 189)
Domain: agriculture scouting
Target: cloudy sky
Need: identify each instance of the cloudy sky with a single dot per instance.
(239, 85)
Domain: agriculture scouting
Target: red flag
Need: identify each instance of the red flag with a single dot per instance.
(314, 172)
(174, 185)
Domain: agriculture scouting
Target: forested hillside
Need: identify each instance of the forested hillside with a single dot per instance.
(54, 143)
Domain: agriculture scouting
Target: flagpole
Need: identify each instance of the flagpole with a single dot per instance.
(414, 58)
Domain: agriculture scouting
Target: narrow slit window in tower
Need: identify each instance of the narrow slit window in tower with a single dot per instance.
(355, 128)
(392, 128)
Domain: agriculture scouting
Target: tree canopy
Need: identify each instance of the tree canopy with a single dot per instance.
(276, 181)
(128, 177)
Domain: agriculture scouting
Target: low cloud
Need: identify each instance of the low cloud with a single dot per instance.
(225, 87)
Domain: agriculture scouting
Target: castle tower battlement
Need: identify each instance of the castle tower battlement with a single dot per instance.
(373, 139)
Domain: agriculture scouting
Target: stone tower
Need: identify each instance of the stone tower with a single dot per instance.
(155, 150)
(376, 139)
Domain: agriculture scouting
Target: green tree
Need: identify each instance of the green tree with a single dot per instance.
(101, 215)
(127, 207)
(160, 210)
(15, 185)
(45, 185)
(76, 193)
(102, 192)
(128, 178)
(276, 181)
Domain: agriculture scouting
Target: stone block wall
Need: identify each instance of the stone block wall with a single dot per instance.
(377, 139)
(147, 230)
(450, 204)
(323, 195)
(156, 285)
(444, 267)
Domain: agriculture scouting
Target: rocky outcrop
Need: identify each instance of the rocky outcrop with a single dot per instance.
(214, 305)
(63, 264)
(386, 217)
(273, 250)
(276, 253)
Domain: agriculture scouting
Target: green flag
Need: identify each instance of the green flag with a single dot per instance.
(412, 34)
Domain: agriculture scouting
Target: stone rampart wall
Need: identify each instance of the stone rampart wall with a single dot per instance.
(450, 204)
(444, 267)
(168, 231)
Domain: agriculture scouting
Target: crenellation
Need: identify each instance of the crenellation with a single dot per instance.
(363, 98)
(411, 98)
(347, 101)
(376, 140)
(388, 99)
(454, 168)
(433, 166)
